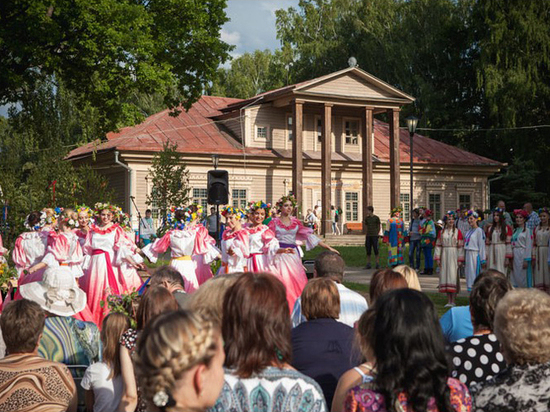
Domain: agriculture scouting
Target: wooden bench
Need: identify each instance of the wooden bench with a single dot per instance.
(354, 227)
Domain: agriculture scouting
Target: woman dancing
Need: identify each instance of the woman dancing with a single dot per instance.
(522, 246)
(84, 214)
(192, 249)
(290, 232)
(499, 241)
(30, 248)
(395, 237)
(263, 245)
(234, 242)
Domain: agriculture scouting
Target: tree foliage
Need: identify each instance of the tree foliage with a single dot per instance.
(170, 179)
(106, 51)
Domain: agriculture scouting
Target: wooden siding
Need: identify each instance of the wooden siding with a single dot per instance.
(349, 86)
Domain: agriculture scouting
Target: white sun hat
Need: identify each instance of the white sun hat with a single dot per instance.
(57, 293)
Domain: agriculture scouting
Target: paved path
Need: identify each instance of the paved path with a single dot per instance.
(428, 283)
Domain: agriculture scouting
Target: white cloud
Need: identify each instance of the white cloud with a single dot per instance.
(230, 37)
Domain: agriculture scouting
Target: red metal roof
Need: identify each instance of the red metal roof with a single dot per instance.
(197, 131)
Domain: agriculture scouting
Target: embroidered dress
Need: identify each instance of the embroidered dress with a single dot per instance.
(522, 246)
(104, 249)
(271, 390)
(30, 248)
(362, 399)
(541, 274)
(497, 250)
(129, 277)
(449, 251)
(192, 251)
(289, 266)
(474, 255)
(238, 243)
(263, 246)
(64, 250)
(395, 237)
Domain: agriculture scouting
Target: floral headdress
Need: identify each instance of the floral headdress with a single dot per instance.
(498, 210)
(473, 213)
(253, 206)
(69, 221)
(38, 225)
(50, 219)
(189, 216)
(171, 218)
(521, 212)
(85, 209)
(544, 210)
(290, 197)
(124, 220)
(396, 210)
(230, 210)
(451, 213)
(99, 206)
(428, 213)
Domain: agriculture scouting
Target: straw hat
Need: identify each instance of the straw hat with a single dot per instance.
(57, 293)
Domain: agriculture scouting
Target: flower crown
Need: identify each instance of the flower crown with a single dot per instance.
(521, 212)
(396, 210)
(124, 220)
(84, 208)
(498, 210)
(50, 220)
(230, 210)
(290, 197)
(37, 226)
(189, 216)
(99, 206)
(544, 210)
(472, 213)
(253, 206)
(451, 213)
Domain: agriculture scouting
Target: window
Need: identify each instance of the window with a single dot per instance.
(464, 202)
(351, 128)
(289, 126)
(154, 204)
(200, 197)
(239, 198)
(261, 132)
(435, 205)
(405, 205)
(352, 206)
(319, 130)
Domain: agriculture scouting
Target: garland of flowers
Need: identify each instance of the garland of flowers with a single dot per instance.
(521, 212)
(99, 206)
(290, 197)
(472, 213)
(396, 210)
(124, 220)
(544, 210)
(253, 206)
(38, 225)
(85, 209)
(230, 210)
(70, 222)
(498, 210)
(451, 213)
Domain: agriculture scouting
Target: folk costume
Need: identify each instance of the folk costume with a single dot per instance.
(522, 248)
(498, 250)
(64, 250)
(395, 237)
(474, 252)
(449, 251)
(541, 240)
(129, 277)
(237, 242)
(428, 237)
(3, 251)
(263, 245)
(30, 248)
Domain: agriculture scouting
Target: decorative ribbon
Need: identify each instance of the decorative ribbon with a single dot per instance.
(113, 284)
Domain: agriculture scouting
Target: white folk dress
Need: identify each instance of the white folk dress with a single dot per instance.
(64, 250)
(449, 251)
(474, 255)
(30, 248)
(499, 250)
(522, 246)
(238, 243)
(541, 274)
(263, 246)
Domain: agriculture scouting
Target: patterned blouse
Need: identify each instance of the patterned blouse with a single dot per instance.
(360, 399)
(31, 383)
(519, 388)
(129, 341)
(272, 390)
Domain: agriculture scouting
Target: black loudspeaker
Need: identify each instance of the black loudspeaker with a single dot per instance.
(218, 187)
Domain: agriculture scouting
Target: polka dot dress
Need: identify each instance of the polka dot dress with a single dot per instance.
(476, 358)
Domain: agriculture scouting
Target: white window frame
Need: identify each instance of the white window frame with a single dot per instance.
(288, 127)
(260, 138)
(441, 205)
(405, 202)
(199, 199)
(345, 136)
(238, 201)
(348, 210)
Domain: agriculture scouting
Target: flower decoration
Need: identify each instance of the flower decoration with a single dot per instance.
(99, 206)
(544, 210)
(396, 210)
(473, 213)
(50, 216)
(230, 210)
(428, 213)
(85, 209)
(253, 206)
(290, 197)
(498, 210)
(124, 220)
(38, 225)
(70, 222)
(451, 213)
(521, 212)
(160, 399)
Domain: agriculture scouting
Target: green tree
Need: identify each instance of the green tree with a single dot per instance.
(170, 179)
(105, 51)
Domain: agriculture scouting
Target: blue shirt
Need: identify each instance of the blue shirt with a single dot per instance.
(457, 324)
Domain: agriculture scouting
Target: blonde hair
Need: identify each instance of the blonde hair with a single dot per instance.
(208, 299)
(67, 215)
(171, 345)
(410, 276)
(320, 299)
(522, 326)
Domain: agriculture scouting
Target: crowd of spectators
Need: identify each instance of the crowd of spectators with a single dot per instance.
(233, 345)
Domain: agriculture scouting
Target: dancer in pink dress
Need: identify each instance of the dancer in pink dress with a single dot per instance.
(234, 242)
(63, 247)
(3, 251)
(30, 248)
(129, 276)
(291, 233)
(84, 215)
(192, 249)
(106, 245)
(263, 245)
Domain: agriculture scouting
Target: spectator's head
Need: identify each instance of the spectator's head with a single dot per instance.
(22, 323)
(370, 209)
(57, 293)
(329, 265)
(488, 289)
(364, 336)
(167, 277)
(415, 213)
(501, 204)
(384, 280)
(528, 207)
(522, 326)
(410, 276)
(320, 299)
(208, 299)
(212, 210)
(155, 301)
(114, 325)
(148, 213)
(179, 362)
(256, 324)
(409, 350)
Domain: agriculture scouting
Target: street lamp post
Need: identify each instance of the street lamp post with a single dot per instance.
(215, 161)
(411, 125)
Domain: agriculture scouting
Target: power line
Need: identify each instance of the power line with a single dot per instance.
(474, 129)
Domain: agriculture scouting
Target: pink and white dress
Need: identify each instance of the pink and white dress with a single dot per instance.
(238, 242)
(3, 251)
(104, 249)
(192, 251)
(81, 236)
(129, 276)
(30, 248)
(64, 250)
(289, 265)
(262, 248)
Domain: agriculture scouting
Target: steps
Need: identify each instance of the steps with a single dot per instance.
(345, 240)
